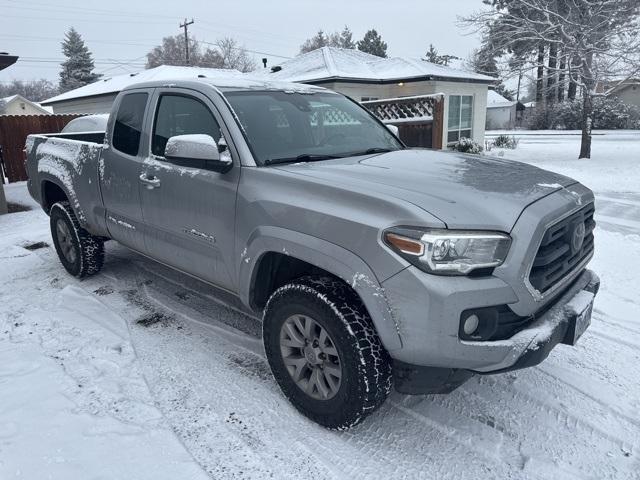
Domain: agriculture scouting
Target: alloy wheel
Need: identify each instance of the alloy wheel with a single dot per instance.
(310, 357)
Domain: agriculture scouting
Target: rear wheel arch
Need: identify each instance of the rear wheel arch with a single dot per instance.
(51, 193)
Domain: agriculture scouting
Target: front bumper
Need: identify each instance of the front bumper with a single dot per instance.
(527, 348)
(554, 326)
(427, 309)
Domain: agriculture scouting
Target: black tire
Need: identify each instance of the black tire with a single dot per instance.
(84, 253)
(366, 365)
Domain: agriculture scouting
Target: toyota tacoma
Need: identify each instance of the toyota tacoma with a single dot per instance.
(371, 265)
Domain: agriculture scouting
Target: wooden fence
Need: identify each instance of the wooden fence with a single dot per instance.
(420, 119)
(13, 134)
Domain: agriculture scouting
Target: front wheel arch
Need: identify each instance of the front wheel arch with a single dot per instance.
(323, 258)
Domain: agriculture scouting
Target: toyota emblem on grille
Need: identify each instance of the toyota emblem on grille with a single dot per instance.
(577, 237)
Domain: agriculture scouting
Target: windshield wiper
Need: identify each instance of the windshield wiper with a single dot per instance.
(307, 157)
(371, 151)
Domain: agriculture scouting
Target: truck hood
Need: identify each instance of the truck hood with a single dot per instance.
(463, 191)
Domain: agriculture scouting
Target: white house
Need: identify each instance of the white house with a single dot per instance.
(367, 77)
(501, 112)
(628, 91)
(98, 97)
(18, 105)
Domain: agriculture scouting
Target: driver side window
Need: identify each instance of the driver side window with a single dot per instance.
(181, 115)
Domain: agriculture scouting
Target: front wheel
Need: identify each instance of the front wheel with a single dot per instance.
(324, 352)
(81, 253)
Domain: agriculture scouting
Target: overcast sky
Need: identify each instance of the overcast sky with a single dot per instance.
(119, 33)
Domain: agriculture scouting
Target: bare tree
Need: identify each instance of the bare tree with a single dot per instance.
(602, 39)
(172, 52)
(35, 90)
(233, 55)
(224, 53)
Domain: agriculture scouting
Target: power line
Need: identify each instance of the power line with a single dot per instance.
(248, 50)
(82, 10)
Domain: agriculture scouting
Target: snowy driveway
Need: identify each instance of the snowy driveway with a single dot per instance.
(138, 373)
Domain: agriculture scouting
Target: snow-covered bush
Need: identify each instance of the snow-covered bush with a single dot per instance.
(467, 145)
(506, 141)
(608, 113)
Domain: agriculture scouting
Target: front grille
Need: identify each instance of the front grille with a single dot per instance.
(559, 254)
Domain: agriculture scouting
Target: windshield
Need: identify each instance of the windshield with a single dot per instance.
(282, 127)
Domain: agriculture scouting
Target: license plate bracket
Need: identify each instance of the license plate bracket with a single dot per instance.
(578, 324)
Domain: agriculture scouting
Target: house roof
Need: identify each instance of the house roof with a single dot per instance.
(111, 85)
(7, 60)
(330, 63)
(20, 98)
(495, 100)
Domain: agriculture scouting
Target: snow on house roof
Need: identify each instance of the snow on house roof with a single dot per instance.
(495, 100)
(329, 63)
(11, 98)
(115, 84)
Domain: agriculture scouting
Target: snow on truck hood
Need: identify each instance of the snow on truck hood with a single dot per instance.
(464, 191)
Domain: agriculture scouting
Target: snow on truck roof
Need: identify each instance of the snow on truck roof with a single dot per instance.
(234, 84)
(165, 75)
(115, 84)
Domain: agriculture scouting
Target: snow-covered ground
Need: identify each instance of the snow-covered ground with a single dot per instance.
(138, 373)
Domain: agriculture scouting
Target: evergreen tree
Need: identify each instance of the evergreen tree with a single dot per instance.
(373, 44)
(342, 39)
(77, 70)
(433, 56)
(319, 40)
(346, 39)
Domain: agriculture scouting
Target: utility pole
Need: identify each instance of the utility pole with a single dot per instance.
(185, 25)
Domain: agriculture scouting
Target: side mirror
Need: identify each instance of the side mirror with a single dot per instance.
(393, 129)
(196, 151)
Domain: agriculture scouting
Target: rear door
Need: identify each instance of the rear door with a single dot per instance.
(120, 167)
(189, 213)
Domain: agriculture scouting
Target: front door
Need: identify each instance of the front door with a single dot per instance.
(189, 213)
(120, 167)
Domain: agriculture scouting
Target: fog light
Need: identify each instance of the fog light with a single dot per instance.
(471, 324)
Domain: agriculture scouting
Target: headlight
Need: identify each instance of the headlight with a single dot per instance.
(449, 252)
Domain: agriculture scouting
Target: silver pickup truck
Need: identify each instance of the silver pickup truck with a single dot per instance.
(370, 264)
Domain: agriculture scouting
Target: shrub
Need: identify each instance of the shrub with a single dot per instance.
(608, 113)
(505, 141)
(466, 145)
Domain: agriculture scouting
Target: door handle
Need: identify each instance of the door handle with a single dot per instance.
(149, 181)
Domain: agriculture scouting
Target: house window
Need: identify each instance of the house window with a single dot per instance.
(368, 99)
(460, 117)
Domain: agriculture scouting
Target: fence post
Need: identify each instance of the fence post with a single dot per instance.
(438, 124)
(3, 199)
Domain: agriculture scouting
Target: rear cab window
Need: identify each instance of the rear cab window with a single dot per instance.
(128, 126)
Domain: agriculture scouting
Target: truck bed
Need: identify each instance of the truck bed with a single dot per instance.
(69, 161)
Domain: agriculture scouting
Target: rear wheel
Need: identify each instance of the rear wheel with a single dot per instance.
(81, 253)
(324, 352)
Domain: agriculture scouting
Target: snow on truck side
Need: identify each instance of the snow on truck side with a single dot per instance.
(74, 163)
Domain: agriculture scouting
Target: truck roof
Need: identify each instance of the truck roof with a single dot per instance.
(227, 84)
